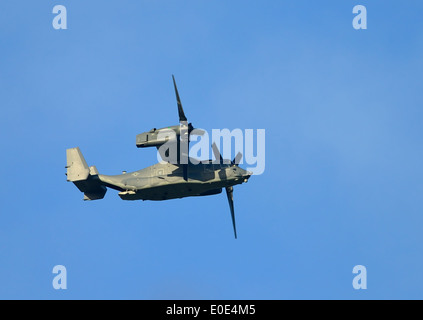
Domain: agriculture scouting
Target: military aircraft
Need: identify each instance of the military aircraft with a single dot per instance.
(164, 180)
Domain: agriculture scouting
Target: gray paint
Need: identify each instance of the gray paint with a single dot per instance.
(161, 181)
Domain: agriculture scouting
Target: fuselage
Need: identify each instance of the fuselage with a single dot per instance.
(164, 181)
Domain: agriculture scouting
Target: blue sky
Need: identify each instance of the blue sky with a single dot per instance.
(342, 111)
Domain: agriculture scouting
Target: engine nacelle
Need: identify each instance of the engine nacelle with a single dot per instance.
(157, 137)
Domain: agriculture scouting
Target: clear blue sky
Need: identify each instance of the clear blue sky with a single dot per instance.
(343, 115)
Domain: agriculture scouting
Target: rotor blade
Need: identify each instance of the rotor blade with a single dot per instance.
(216, 152)
(237, 158)
(185, 169)
(178, 100)
(230, 194)
(197, 132)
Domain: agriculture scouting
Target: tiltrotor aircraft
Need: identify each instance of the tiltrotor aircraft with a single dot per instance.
(166, 180)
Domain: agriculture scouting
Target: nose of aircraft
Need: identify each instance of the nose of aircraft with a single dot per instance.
(246, 175)
(242, 174)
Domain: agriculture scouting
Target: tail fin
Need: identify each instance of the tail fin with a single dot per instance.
(84, 177)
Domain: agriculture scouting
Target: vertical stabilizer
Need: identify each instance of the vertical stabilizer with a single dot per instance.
(84, 177)
(77, 166)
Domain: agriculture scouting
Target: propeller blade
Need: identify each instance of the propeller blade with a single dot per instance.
(182, 118)
(178, 100)
(237, 159)
(197, 132)
(185, 169)
(216, 153)
(230, 194)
